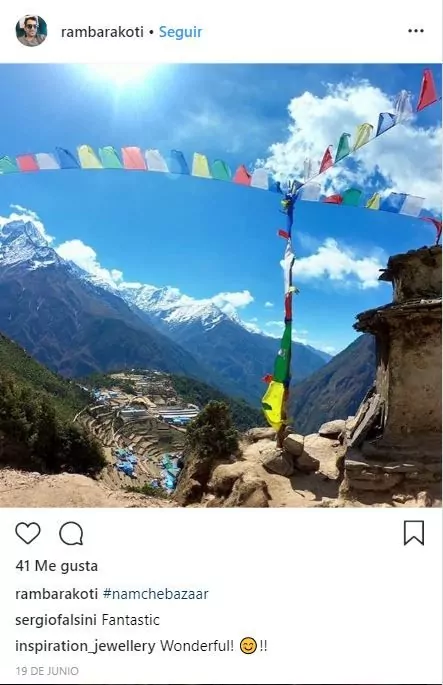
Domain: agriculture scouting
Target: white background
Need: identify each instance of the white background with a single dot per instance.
(235, 31)
(335, 593)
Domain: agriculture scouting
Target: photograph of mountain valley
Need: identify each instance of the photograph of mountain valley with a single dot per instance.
(220, 286)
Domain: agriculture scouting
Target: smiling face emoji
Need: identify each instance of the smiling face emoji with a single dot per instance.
(248, 645)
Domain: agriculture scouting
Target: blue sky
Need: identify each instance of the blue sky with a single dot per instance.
(205, 237)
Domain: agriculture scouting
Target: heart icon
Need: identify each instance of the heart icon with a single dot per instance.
(27, 532)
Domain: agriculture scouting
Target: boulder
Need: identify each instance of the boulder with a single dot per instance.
(332, 429)
(307, 464)
(249, 491)
(224, 476)
(293, 443)
(255, 434)
(279, 462)
(330, 458)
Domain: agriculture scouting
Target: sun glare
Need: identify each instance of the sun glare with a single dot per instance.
(121, 74)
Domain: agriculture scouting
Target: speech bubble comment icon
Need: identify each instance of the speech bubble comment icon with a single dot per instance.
(71, 533)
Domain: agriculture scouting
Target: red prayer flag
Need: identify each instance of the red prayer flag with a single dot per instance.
(288, 306)
(334, 199)
(242, 176)
(428, 92)
(268, 378)
(27, 163)
(438, 225)
(133, 158)
(327, 160)
(283, 234)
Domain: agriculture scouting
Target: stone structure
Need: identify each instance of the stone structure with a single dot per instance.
(394, 441)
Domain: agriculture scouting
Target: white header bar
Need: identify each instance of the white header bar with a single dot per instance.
(229, 31)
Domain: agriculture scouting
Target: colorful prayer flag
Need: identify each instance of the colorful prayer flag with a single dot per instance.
(109, 157)
(428, 92)
(8, 166)
(88, 158)
(334, 199)
(46, 161)
(351, 197)
(242, 176)
(393, 202)
(177, 163)
(412, 205)
(374, 201)
(272, 404)
(386, 120)
(220, 170)
(155, 161)
(403, 107)
(67, 159)
(200, 166)
(362, 135)
(326, 162)
(27, 163)
(343, 149)
(260, 179)
(133, 159)
(283, 358)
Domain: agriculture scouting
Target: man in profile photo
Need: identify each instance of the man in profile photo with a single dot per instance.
(32, 35)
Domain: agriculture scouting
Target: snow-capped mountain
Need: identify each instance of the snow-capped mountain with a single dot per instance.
(174, 309)
(22, 242)
(75, 321)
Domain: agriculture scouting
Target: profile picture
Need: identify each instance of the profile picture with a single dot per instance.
(31, 30)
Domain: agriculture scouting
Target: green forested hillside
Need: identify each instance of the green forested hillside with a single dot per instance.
(36, 412)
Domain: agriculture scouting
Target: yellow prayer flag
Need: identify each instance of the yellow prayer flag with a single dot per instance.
(374, 202)
(88, 158)
(362, 135)
(200, 166)
(272, 404)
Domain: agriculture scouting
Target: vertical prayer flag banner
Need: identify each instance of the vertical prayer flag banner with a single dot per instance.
(282, 361)
(272, 404)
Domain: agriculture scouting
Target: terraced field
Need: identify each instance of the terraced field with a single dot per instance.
(149, 438)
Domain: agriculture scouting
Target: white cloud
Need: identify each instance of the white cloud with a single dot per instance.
(86, 258)
(269, 304)
(24, 214)
(407, 156)
(339, 264)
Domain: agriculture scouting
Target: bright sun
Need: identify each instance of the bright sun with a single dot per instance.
(121, 74)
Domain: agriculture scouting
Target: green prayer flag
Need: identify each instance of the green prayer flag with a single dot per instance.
(220, 170)
(8, 165)
(282, 363)
(343, 148)
(109, 158)
(352, 197)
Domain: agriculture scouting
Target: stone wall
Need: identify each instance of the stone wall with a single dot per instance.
(414, 380)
